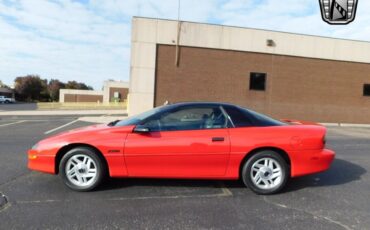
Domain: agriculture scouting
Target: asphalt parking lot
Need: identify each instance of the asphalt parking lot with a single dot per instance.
(18, 106)
(336, 199)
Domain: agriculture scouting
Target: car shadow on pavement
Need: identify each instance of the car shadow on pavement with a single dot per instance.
(340, 172)
(114, 183)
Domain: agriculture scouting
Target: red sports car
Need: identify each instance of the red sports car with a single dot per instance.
(187, 140)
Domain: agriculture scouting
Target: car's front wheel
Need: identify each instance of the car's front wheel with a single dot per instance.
(266, 172)
(81, 169)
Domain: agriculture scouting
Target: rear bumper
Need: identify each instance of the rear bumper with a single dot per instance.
(41, 162)
(311, 161)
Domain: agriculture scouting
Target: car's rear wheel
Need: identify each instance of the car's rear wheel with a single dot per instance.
(266, 172)
(82, 169)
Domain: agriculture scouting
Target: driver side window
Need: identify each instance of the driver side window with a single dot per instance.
(188, 119)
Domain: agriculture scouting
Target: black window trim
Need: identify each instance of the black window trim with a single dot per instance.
(176, 108)
(228, 118)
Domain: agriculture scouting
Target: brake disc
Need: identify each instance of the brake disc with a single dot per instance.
(3, 201)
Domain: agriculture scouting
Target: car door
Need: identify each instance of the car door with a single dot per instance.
(187, 142)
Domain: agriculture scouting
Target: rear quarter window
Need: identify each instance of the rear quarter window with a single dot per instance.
(238, 118)
(242, 117)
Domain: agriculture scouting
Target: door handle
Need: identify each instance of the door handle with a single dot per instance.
(216, 139)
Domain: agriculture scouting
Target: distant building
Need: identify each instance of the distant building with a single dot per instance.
(6, 92)
(113, 91)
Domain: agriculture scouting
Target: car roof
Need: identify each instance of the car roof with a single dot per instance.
(198, 103)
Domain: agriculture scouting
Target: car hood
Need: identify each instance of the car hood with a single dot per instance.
(82, 130)
(88, 132)
(86, 129)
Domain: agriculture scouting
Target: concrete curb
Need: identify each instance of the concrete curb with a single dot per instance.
(101, 119)
(345, 125)
(62, 112)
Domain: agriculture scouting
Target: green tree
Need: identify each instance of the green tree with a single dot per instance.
(34, 88)
(54, 87)
(31, 88)
(77, 85)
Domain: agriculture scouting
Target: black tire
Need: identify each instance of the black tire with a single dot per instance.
(96, 163)
(7, 102)
(277, 184)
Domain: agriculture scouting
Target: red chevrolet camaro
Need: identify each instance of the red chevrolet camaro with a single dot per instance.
(187, 140)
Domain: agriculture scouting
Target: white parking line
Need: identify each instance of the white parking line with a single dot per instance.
(13, 123)
(60, 127)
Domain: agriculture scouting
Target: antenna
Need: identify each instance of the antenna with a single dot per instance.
(178, 34)
(139, 9)
(178, 10)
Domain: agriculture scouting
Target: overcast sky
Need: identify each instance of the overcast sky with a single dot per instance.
(89, 40)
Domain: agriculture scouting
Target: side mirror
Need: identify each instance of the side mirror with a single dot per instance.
(141, 129)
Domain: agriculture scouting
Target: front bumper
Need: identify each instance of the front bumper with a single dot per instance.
(41, 162)
(311, 161)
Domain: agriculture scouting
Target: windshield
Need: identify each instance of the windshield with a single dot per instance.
(135, 120)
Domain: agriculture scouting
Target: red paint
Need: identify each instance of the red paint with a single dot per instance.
(189, 154)
(178, 154)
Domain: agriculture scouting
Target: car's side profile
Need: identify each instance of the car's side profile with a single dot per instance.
(187, 140)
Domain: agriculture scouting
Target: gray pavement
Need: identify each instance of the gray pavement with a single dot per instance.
(18, 106)
(30, 109)
(336, 199)
(81, 112)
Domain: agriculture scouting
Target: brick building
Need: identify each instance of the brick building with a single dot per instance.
(112, 91)
(281, 74)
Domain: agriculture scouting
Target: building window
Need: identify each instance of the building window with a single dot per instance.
(367, 90)
(257, 81)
